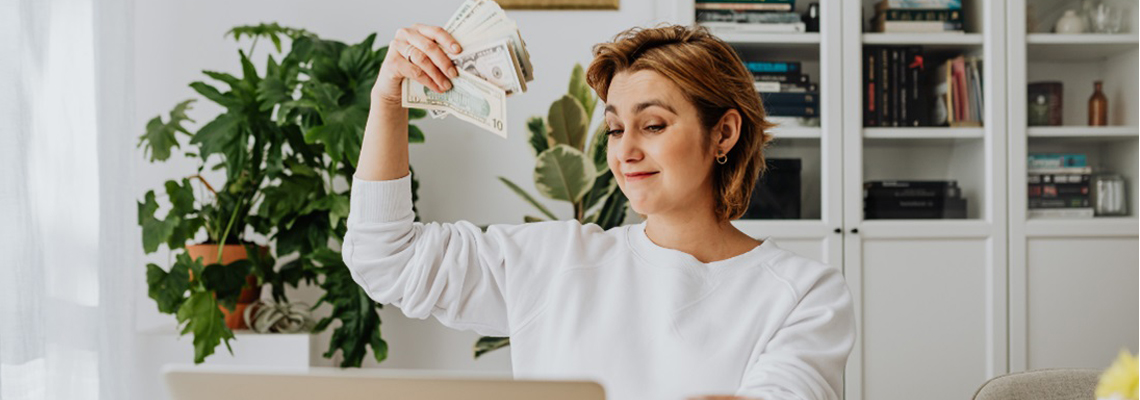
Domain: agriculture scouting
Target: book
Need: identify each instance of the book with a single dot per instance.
(773, 67)
(919, 4)
(1064, 177)
(915, 70)
(870, 112)
(947, 208)
(736, 27)
(792, 111)
(789, 99)
(747, 16)
(781, 78)
(911, 14)
(786, 7)
(918, 27)
(1059, 202)
(784, 87)
(887, 192)
(1056, 160)
(907, 184)
(1045, 213)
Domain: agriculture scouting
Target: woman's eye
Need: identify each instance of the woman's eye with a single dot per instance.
(655, 128)
(613, 132)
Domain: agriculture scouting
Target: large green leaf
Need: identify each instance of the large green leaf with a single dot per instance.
(226, 281)
(360, 321)
(218, 135)
(581, 91)
(168, 289)
(487, 344)
(598, 147)
(526, 196)
(538, 134)
(159, 137)
(154, 230)
(200, 316)
(226, 100)
(563, 173)
(568, 122)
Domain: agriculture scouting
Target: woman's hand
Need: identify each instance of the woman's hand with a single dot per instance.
(418, 53)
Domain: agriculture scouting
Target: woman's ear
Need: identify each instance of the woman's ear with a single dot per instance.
(728, 130)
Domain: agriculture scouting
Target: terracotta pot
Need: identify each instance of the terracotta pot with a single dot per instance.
(230, 253)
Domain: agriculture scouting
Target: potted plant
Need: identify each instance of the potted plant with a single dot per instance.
(569, 169)
(288, 141)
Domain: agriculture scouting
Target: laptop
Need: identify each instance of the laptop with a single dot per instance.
(219, 382)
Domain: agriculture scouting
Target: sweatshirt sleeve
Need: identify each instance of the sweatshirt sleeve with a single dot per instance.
(455, 272)
(806, 357)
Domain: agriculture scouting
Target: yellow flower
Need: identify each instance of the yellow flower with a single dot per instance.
(1122, 378)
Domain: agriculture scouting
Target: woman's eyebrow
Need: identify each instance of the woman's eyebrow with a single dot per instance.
(643, 105)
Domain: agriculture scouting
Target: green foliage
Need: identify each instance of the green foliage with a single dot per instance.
(569, 169)
(286, 135)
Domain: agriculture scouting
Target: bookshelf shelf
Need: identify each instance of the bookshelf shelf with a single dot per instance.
(924, 133)
(1078, 47)
(1083, 132)
(926, 39)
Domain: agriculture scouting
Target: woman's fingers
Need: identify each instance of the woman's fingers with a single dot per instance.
(441, 36)
(414, 72)
(428, 55)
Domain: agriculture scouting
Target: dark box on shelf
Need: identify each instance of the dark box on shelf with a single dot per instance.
(777, 193)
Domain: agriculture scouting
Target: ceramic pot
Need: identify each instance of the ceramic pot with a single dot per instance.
(249, 293)
(1070, 23)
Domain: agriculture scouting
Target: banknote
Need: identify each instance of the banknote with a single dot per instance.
(493, 50)
(471, 99)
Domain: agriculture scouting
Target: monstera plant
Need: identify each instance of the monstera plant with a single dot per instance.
(288, 140)
(570, 169)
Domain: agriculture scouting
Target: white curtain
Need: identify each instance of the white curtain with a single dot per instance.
(67, 273)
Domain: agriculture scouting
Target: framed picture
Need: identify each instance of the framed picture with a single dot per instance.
(559, 4)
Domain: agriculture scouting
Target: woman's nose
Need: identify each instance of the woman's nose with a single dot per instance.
(629, 148)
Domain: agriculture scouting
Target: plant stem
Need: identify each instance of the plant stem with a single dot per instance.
(222, 240)
(254, 45)
(199, 176)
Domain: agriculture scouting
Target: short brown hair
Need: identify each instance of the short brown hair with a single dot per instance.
(713, 78)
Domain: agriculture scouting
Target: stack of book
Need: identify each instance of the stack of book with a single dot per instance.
(784, 88)
(958, 92)
(894, 87)
(917, 16)
(749, 16)
(1059, 186)
(913, 200)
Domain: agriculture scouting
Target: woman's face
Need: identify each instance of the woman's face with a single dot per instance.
(656, 147)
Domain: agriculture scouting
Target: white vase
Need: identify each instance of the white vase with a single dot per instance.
(1070, 23)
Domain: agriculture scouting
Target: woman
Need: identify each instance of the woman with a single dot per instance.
(683, 304)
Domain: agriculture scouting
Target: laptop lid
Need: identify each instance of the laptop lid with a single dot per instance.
(214, 382)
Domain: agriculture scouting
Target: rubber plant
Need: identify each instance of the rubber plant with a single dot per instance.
(569, 169)
(288, 141)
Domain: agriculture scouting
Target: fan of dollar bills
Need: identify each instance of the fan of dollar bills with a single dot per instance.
(493, 65)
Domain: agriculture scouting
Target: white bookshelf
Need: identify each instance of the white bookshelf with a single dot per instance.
(958, 290)
(1044, 253)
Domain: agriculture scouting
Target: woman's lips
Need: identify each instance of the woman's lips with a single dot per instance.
(637, 176)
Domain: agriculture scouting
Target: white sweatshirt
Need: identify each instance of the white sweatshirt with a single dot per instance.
(578, 302)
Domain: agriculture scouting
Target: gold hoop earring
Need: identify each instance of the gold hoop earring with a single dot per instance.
(721, 159)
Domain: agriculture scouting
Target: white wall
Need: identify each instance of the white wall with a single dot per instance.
(457, 167)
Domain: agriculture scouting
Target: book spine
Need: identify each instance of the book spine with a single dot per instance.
(1060, 213)
(904, 14)
(1067, 177)
(869, 109)
(897, 62)
(1060, 202)
(743, 6)
(790, 99)
(937, 185)
(792, 111)
(773, 67)
(1057, 160)
(788, 78)
(785, 87)
(881, 192)
(884, 88)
